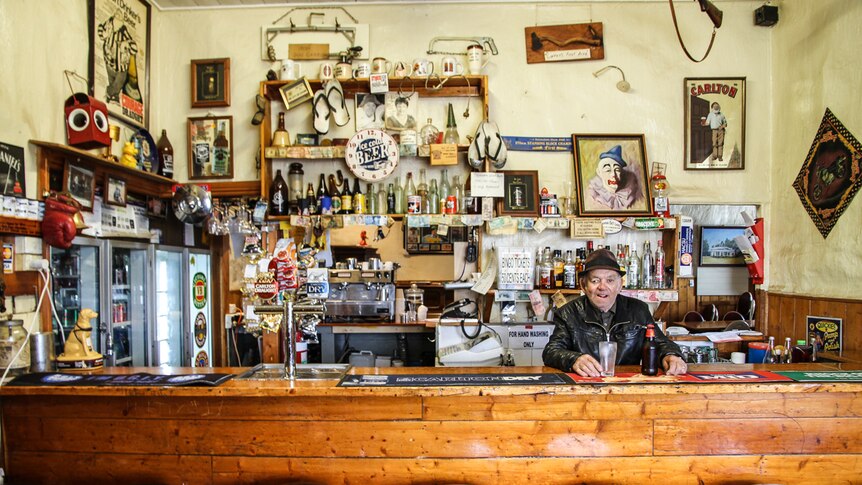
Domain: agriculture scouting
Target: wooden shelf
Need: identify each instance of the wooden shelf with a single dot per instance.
(459, 86)
(53, 156)
(20, 227)
(305, 152)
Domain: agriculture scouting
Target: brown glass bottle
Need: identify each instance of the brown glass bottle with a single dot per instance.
(278, 196)
(649, 363)
(346, 198)
(165, 160)
(335, 195)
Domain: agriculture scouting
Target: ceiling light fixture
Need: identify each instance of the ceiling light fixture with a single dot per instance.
(714, 14)
(623, 85)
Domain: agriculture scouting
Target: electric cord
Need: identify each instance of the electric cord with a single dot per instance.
(26, 339)
(235, 348)
(49, 281)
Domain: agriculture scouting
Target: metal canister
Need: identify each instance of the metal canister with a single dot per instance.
(41, 352)
(12, 339)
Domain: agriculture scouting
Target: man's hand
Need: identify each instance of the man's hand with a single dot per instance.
(673, 365)
(587, 366)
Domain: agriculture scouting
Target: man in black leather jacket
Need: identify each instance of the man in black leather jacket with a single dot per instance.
(586, 320)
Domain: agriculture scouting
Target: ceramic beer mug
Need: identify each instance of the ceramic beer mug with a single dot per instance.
(400, 69)
(327, 71)
(290, 70)
(362, 70)
(451, 66)
(422, 67)
(343, 71)
(379, 65)
(476, 58)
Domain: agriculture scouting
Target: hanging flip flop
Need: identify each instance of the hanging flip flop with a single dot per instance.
(495, 148)
(473, 157)
(321, 112)
(335, 98)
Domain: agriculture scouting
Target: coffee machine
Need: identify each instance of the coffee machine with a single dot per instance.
(360, 295)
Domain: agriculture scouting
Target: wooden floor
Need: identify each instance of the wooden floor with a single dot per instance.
(240, 433)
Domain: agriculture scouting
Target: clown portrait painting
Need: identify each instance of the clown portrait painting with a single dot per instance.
(611, 175)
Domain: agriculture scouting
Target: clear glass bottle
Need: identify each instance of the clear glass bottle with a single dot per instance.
(769, 356)
(381, 199)
(621, 259)
(371, 199)
(445, 191)
(422, 192)
(634, 270)
(646, 267)
(433, 198)
(787, 357)
(546, 270)
(458, 192)
(659, 266)
(399, 196)
(429, 134)
(451, 136)
(410, 192)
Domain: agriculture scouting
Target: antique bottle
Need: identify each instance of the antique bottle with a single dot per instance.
(295, 176)
(370, 199)
(646, 267)
(346, 198)
(570, 272)
(382, 203)
(445, 191)
(399, 196)
(221, 153)
(411, 202)
(429, 134)
(335, 195)
(422, 192)
(649, 361)
(433, 198)
(280, 137)
(278, 195)
(166, 156)
(390, 199)
(458, 194)
(310, 200)
(451, 136)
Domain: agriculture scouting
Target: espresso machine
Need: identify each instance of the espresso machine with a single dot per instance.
(360, 295)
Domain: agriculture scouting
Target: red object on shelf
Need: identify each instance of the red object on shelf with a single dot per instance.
(755, 270)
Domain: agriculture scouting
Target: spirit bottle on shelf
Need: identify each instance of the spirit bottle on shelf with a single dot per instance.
(647, 267)
(659, 266)
(278, 195)
(360, 202)
(570, 272)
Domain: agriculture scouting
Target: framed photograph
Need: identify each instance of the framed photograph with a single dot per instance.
(370, 111)
(157, 207)
(296, 93)
(611, 176)
(80, 183)
(718, 248)
(210, 147)
(428, 240)
(402, 111)
(115, 191)
(831, 174)
(119, 63)
(521, 194)
(714, 123)
(210, 82)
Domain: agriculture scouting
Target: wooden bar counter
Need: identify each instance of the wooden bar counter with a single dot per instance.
(313, 432)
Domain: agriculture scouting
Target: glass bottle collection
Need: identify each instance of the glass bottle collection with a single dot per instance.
(442, 195)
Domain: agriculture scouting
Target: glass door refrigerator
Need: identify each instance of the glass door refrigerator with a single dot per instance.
(77, 281)
(169, 320)
(126, 341)
(199, 307)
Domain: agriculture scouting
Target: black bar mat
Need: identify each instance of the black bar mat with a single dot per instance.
(442, 380)
(139, 379)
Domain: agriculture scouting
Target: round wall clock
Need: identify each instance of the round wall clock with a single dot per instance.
(371, 154)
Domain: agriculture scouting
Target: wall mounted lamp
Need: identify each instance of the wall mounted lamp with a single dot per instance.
(623, 85)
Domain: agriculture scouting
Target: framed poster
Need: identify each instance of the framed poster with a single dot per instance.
(115, 191)
(81, 185)
(119, 64)
(718, 248)
(831, 174)
(520, 194)
(429, 240)
(210, 83)
(12, 180)
(210, 147)
(611, 175)
(714, 123)
(827, 333)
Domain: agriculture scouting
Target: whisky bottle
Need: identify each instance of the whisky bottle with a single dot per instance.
(280, 137)
(221, 153)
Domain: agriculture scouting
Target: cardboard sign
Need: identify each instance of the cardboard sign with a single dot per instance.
(485, 184)
(444, 154)
(308, 52)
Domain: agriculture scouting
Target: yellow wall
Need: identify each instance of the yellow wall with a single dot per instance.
(815, 66)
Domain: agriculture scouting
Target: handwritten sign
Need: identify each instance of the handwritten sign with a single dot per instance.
(583, 228)
(515, 268)
(444, 154)
(484, 184)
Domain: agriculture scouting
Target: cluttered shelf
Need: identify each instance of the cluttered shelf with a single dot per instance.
(19, 227)
(444, 87)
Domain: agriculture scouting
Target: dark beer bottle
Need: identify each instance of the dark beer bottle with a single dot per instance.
(649, 363)
(346, 198)
(166, 156)
(278, 196)
(335, 195)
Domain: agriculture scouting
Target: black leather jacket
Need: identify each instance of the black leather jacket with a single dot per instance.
(578, 330)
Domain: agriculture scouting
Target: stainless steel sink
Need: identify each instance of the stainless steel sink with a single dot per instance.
(271, 372)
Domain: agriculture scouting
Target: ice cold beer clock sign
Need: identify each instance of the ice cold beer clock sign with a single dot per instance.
(371, 155)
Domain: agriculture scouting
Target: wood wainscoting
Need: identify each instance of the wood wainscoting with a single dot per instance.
(785, 316)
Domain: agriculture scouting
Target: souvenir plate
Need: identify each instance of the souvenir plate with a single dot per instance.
(371, 154)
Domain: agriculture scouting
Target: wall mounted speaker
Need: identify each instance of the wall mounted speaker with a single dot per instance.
(766, 16)
(86, 122)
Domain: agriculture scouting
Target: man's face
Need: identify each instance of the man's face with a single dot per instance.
(610, 173)
(716, 108)
(602, 287)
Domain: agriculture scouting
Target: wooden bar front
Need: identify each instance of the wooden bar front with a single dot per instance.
(314, 432)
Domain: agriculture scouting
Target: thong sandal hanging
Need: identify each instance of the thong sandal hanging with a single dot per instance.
(495, 148)
(335, 98)
(321, 112)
